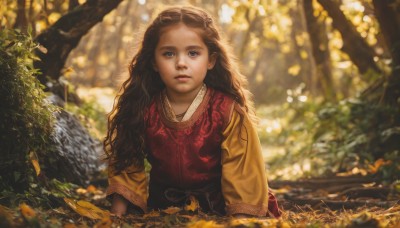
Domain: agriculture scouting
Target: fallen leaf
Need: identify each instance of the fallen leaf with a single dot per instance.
(103, 223)
(171, 210)
(87, 209)
(26, 211)
(91, 189)
(204, 224)
(193, 205)
(283, 224)
(81, 191)
(152, 214)
(70, 225)
(377, 164)
(252, 222)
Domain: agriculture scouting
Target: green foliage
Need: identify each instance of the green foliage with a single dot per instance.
(26, 118)
(350, 136)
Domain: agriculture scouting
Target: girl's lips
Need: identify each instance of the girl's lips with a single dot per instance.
(182, 78)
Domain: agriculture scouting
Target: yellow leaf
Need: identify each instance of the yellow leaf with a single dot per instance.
(303, 54)
(91, 189)
(70, 225)
(172, 210)
(103, 223)
(283, 224)
(26, 211)
(152, 214)
(103, 59)
(80, 61)
(294, 70)
(194, 204)
(40, 25)
(252, 222)
(35, 163)
(81, 191)
(87, 209)
(204, 224)
(285, 48)
(53, 17)
(377, 164)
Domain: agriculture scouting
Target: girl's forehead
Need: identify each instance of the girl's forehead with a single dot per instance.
(180, 33)
(181, 27)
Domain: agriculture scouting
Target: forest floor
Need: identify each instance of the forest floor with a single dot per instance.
(322, 202)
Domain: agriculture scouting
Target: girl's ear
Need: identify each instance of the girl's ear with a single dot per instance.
(212, 60)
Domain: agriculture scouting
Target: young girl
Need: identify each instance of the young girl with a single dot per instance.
(185, 109)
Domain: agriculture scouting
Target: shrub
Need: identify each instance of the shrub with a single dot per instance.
(26, 119)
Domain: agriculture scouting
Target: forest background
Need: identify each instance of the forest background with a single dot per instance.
(324, 74)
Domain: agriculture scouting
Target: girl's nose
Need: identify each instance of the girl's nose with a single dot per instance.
(180, 61)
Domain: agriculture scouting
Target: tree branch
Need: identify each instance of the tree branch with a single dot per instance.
(64, 35)
(360, 53)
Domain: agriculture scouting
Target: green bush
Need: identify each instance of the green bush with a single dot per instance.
(348, 136)
(26, 119)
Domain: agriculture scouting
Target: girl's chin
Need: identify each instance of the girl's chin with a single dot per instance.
(184, 90)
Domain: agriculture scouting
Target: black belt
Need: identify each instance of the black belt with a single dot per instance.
(178, 195)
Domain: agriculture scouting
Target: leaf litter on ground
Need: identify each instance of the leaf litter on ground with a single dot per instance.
(89, 208)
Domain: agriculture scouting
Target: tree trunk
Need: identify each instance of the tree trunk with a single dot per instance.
(360, 53)
(388, 14)
(31, 18)
(118, 47)
(94, 55)
(320, 51)
(64, 35)
(252, 22)
(21, 21)
(308, 72)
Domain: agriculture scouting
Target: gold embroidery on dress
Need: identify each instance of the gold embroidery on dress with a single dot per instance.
(169, 112)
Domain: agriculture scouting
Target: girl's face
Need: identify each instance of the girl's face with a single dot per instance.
(182, 60)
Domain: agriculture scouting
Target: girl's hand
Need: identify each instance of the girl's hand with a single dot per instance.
(119, 205)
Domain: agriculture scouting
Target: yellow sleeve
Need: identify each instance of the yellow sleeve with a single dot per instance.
(131, 184)
(244, 182)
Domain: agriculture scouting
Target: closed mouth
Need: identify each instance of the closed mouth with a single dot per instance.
(182, 76)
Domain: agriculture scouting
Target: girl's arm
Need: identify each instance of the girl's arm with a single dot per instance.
(244, 182)
(128, 189)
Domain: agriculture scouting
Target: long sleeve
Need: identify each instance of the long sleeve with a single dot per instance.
(244, 182)
(132, 184)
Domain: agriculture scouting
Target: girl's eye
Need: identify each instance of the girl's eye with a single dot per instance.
(193, 53)
(168, 54)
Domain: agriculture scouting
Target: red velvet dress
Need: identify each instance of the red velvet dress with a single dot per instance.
(186, 156)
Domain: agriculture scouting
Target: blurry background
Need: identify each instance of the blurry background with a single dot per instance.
(316, 69)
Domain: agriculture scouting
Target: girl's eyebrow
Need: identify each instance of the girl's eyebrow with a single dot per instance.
(187, 48)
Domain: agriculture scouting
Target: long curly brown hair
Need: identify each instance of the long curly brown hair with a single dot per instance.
(125, 141)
